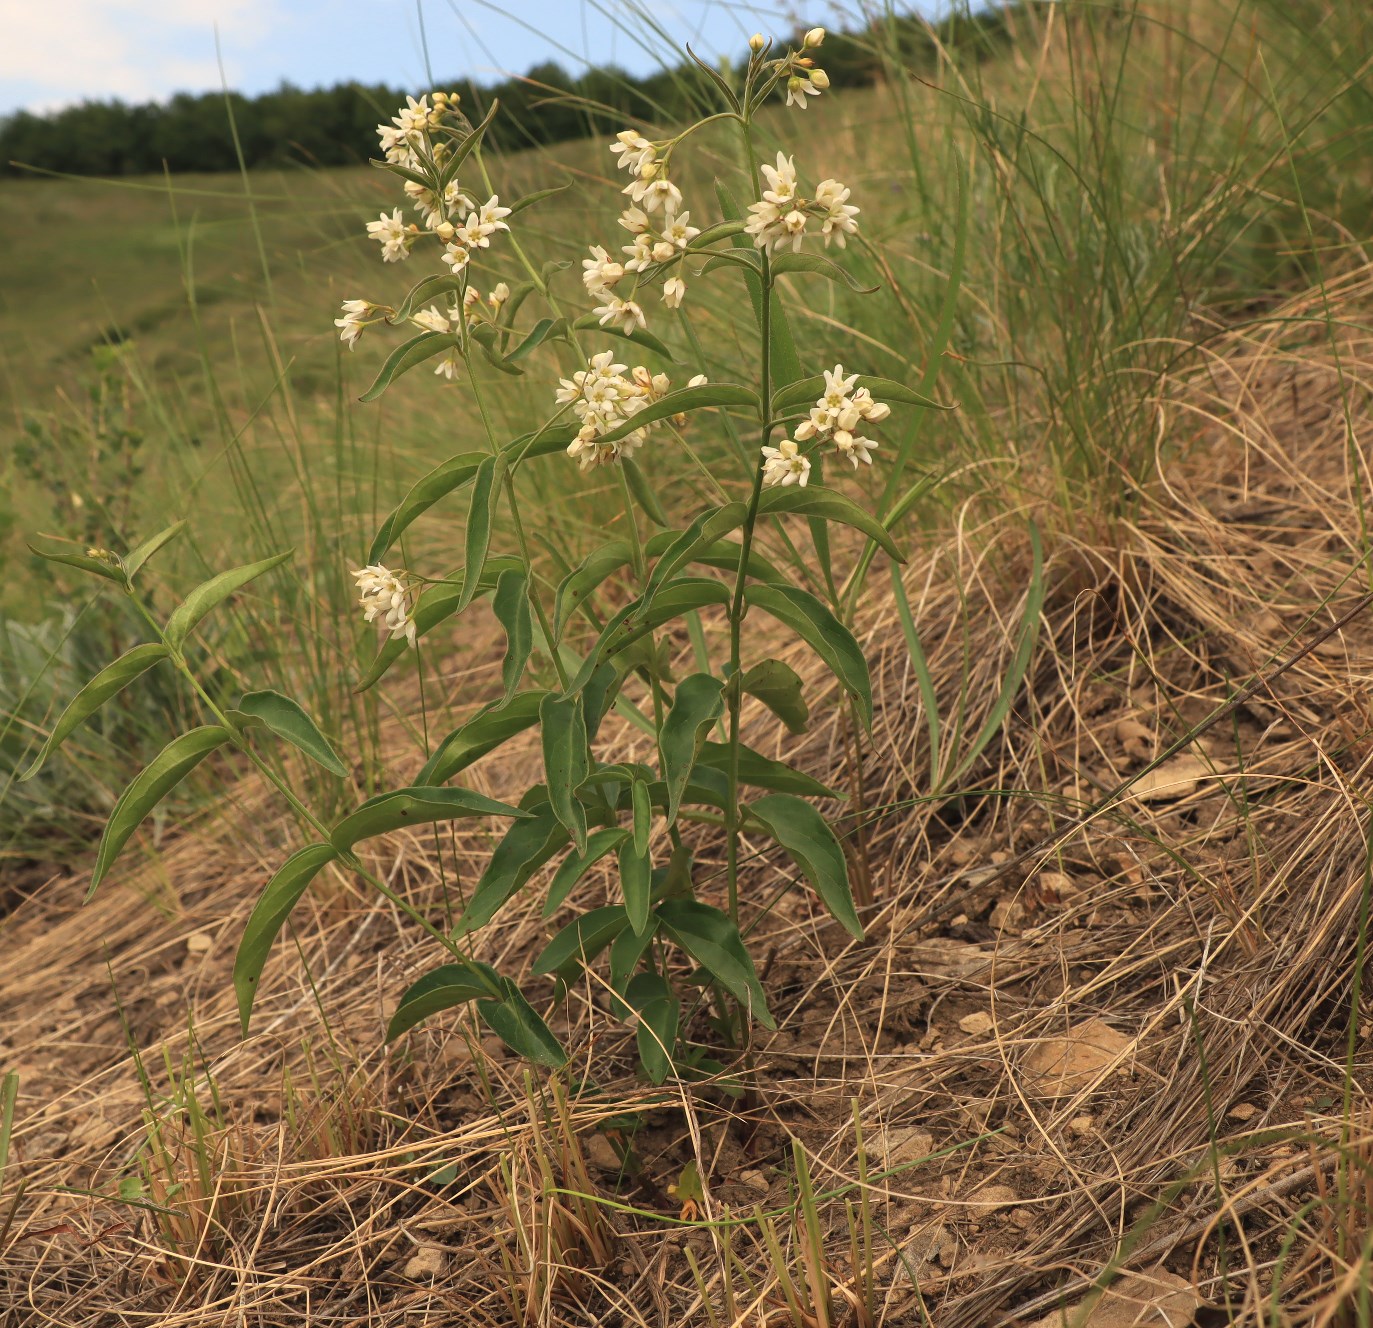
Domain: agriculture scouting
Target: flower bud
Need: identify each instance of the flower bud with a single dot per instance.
(813, 38)
(756, 42)
(700, 380)
(820, 78)
(663, 251)
(444, 230)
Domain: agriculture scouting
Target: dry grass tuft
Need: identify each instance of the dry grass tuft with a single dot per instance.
(1129, 1048)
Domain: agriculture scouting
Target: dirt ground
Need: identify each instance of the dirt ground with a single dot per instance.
(1077, 1037)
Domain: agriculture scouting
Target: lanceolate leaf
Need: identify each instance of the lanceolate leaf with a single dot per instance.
(406, 356)
(527, 845)
(566, 760)
(820, 266)
(759, 771)
(484, 732)
(807, 838)
(464, 149)
(702, 533)
(209, 594)
(83, 562)
(636, 883)
(481, 514)
(778, 686)
(511, 603)
(723, 553)
(642, 492)
(695, 708)
(519, 1026)
(713, 941)
(542, 331)
(659, 1011)
(830, 506)
(287, 720)
(537, 196)
(824, 633)
(422, 292)
(576, 865)
(269, 915)
(162, 774)
(447, 986)
(807, 390)
(589, 322)
(424, 493)
(682, 402)
(419, 805)
(140, 553)
(576, 588)
(110, 681)
(625, 952)
(581, 940)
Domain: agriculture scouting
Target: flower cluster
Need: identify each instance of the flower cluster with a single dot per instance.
(384, 595)
(781, 217)
(835, 418)
(603, 399)
(796, 72)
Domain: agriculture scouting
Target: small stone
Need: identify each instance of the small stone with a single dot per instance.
(600, 1152)
(1023, 1218)
(425, 1264)
(1243, 1111)
(1007, 915)
(900, 1144)
(1156, 1299)
(988, 1198)
(1082, 1124)
(754, 1180)
(95, 1132)
(977, 1023)
(1173, 779)
(1061, 1066)
(199, 943)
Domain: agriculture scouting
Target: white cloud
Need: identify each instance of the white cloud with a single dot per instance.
(64, 51)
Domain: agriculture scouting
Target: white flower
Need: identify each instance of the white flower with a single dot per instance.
(382, 594)
(674, 291)
(781, 180)
(640, 253)
(500, 293)
(784, 464)
(764, 223)
(676, 230)
(855, 447)
(700, 380)
(448, 366)
(431, 320)
(456, 256)
(837, 213)
(353, 321)
(633, 150)
(625, 312)
(656, 195)
(793, 229)
(813, 38)
(634, 220)
(798, 89)
(600, 272)
(455, 202)
(481, 225)
(390, 232)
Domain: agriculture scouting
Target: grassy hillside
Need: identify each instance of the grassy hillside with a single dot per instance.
(1109, 829)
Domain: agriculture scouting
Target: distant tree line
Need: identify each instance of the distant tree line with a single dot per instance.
(337, 126)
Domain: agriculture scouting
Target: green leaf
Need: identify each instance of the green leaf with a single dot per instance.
(542, 331)
(511, 603)
(820, 266)
(599, 694)
(759, 771)
(639, 338)
(807, 838)
(576, 865)
(436, 602)
(698, 704)
(419, 805)
(525, 847)
(210, 594)
(491, 726)
(713, 941)
(447, 986)
(96, 566)
(269, 915)
(140, 553)
(625, 952)
(824, 633)
(162, 774)
(424, 493)
(577, 586)
(464, 149)
(723, 553)
(702, 533)
(659, 1014)
(110, 681)
(519, 1026)
(682, 402)
(422, 292)
(642, 491)
(829, 505)
(581, 941)
(642, 807)
(778, 686)
(566, 760)
(806, 390)
(287, 720)
(407, 355)
(481, 514)
(537, 196)
(636, 879)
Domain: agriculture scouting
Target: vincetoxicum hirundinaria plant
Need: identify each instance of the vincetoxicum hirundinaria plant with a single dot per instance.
(584, 809)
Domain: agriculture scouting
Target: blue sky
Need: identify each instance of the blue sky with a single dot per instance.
(55, 52)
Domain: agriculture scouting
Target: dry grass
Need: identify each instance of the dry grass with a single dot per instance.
(1129, 1049)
